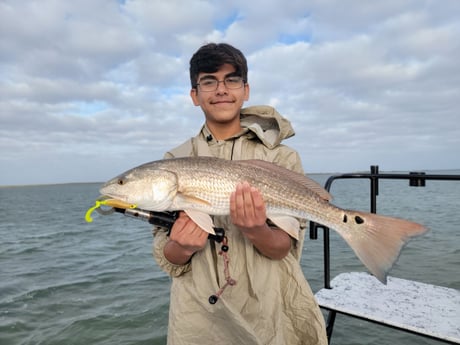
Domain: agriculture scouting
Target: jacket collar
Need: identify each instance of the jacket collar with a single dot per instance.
(263, 122)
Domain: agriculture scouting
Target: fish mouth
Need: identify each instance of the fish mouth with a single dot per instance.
(116, 201)
(108, 193)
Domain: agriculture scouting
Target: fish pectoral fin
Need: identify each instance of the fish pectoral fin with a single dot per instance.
(191, 199)
(203, 220)
(288, 224)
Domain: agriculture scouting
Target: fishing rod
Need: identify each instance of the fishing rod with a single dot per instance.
(161, 219)
(164, 220)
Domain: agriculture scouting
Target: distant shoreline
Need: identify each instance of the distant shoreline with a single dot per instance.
(431, 171)
(47, 184)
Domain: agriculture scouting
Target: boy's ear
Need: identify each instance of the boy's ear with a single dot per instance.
(194, 96)
(246, 92)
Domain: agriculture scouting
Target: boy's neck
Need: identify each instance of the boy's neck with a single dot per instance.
(222, 131)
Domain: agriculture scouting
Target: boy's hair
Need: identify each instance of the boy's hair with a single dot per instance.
(210, 57)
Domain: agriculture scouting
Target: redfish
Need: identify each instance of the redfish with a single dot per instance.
(201, 186)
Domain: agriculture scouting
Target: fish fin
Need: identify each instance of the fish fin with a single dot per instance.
(295, 176)
(315, 187)
(287, 224)
(378, 240)
(203, 220)
(191, 199)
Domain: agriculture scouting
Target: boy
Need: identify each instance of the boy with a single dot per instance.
(262, 295)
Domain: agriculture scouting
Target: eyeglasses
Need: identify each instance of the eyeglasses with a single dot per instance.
(211, 84)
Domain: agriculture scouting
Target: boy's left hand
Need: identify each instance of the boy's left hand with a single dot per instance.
(247, 207)
(248, 213)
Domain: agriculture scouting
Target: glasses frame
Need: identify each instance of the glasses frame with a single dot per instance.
(225, 80)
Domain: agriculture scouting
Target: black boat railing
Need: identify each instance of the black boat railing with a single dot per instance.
(415, 179)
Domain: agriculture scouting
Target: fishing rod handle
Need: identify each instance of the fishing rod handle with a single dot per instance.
(164, 220)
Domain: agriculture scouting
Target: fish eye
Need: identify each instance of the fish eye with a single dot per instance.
(121, 182)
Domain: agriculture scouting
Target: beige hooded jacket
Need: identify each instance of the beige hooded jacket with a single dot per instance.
(271, 302)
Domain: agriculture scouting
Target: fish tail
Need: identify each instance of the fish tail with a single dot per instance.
(378, 240)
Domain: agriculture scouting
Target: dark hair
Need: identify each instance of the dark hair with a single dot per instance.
(210, 57)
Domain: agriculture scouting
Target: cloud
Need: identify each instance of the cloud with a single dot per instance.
(91, 88)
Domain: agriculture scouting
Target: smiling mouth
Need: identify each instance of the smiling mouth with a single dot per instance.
(222, 102)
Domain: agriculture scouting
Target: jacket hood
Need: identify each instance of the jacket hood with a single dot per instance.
(267, 124)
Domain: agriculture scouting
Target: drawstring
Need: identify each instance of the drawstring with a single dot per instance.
(233, 148)
(229, 280)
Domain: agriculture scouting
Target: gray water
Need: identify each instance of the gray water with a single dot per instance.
(66, 281)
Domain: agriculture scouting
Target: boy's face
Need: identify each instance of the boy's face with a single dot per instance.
(222, 105)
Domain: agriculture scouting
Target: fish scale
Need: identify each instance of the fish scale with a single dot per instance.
(216, 186)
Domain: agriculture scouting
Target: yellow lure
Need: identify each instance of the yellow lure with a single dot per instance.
(107, 202)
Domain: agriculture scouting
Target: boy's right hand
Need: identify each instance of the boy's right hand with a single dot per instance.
(185, 239)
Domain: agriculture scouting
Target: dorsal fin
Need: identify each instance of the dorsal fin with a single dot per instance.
(295, 176)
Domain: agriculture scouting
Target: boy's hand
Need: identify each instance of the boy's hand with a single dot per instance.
(248, 213)
(247, 208)
(185, 239)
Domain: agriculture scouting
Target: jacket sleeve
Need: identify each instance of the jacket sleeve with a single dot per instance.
(159, 242)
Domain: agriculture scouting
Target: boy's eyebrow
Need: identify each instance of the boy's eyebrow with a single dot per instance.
(209, 76)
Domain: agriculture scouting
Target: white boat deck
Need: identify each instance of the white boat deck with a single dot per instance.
(417, 307)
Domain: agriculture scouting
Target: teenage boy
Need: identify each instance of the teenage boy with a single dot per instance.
(263, 295)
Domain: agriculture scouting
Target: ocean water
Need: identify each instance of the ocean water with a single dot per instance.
(66, 281)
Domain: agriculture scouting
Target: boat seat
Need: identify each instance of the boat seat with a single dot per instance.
(430, 310)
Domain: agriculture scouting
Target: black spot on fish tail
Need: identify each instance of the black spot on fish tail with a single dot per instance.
(345, 218)
(359, 220)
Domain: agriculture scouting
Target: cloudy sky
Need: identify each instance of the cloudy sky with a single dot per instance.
(91, 88)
